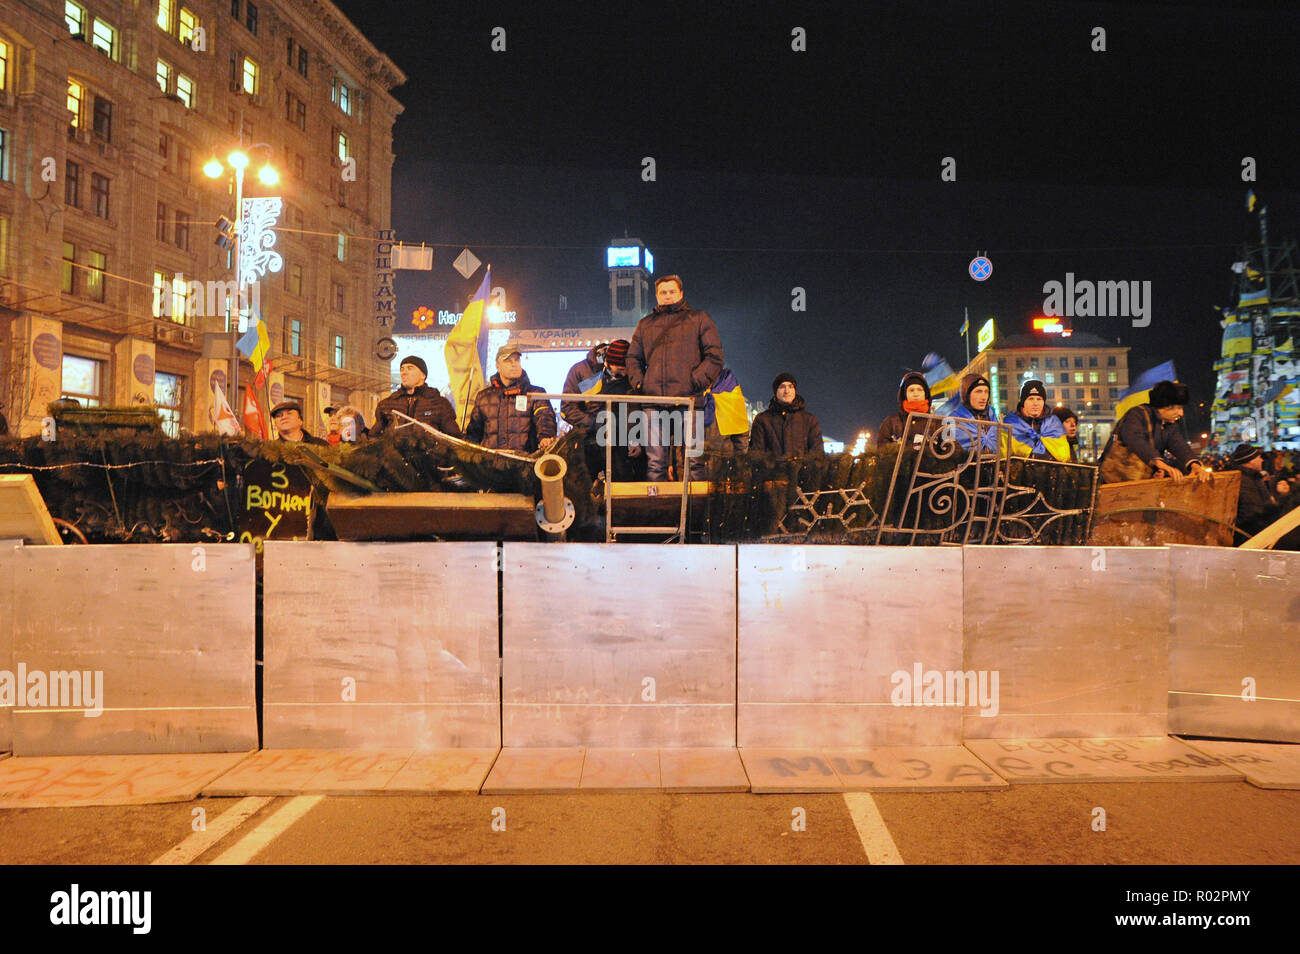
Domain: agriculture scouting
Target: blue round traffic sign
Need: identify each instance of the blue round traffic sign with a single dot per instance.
(980, 268)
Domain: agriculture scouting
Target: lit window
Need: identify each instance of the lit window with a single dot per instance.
(83, 379)
(1092, 377)
(69, 267)
(74, 16)
(250, 77)
(179, 289)
(343, 247)
(4, 65)
(185, 90)
(95, 275)
(1111, 377)
(165, 15)
(168, 397)
(76, 96)
(187, 24)
(159, 293)
(343, 146)
(1047, 378)
(164, 76)
(341, 95)
(338, 351)
(104, 39)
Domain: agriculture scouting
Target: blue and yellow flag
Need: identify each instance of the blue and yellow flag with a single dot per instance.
(466, 352)
(255, 344)
(940, 377)
(725, 403)
(1250, 200)
(1236, 338)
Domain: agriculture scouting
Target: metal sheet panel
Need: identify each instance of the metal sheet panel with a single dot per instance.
(169, 628)
(584, 626)
(1236, 617)
(1078, 636)
(380, 645)
(822, 632)
(8, 609)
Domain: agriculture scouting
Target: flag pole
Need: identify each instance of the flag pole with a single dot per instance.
(966, 337)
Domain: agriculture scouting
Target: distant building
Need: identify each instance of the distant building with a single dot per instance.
(111, 287)
(630, 266)
(1083, 372)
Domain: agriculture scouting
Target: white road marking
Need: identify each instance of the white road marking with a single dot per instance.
(201, 841)
(876, 840)
(243, 851)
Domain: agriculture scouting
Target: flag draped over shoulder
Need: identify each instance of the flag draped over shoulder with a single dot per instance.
(1023, 441)
(1139, 390)
(725, 403)
(466, 352)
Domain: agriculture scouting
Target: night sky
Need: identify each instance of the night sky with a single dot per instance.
(821, 169)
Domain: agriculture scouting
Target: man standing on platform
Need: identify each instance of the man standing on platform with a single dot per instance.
(675, 352)
(415, 399)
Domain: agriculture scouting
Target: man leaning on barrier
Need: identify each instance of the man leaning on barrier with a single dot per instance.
(504, 417)
(1147, 442)
(675, 352)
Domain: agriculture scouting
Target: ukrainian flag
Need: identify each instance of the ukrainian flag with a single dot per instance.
(1236, 338)
(255, 343)
(1251, 298)
(940, 377)
(466, 352)
(1139, 391)
(725, 403)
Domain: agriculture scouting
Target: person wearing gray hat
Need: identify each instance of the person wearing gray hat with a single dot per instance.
(415, 399)
(504, 416)
(287, 418)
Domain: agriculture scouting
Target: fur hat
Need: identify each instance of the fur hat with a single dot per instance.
(1169, 394)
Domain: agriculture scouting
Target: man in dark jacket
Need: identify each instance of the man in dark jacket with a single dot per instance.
(1070, 422)
(1257, 505)
(675, 352)
(913, 398)
(610, 429)
(785, 428)
(287, 418)
(1147, 435)
(580, 413)
(504, 418)
(415, 399)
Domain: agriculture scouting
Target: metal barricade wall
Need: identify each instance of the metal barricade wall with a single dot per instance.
(8, 609)
(618, 645)
(380, 645)
(1234, 650)
(1077, 635)
(829, 638)
(134, 649)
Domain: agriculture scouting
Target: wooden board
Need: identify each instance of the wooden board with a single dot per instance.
(1267, 538)
(1099, 760)
(422, 516)
(1265, 764)
(64, 781)
(1144, 513)
(903, 768)
(356, 772)
(23, 514)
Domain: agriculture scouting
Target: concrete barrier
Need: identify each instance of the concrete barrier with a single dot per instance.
(824, 632)
(1234, 653)
(380, 645)
(1078, 637)
(136, 649)
(619, 645)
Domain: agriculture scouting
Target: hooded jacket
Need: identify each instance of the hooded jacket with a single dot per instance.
(496, 421)
(579, 413)
(891, 428)
(787, 430)
(675, 352)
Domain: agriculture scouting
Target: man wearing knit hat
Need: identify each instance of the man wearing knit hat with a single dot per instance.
(415, 399)
(1147, 441)
(785, 429)
(913, 398)
(1070, 421)
(973, 395)
(1034, 432)
(611, 422)
(1257, 505)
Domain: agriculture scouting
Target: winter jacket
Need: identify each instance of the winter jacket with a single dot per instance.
(424, 404)
(1257, 506)
(891, 428)
(675, 352)
(786, 430)
(498, 423)
(1139, 439)
(579, 413)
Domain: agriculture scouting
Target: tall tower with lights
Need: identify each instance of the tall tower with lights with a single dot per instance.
(630, 266)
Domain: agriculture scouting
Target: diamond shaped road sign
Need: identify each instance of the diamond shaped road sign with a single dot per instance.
(466, 263)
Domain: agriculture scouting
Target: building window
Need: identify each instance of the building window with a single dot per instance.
(293, 279)
(103, 122)
(1114, 393)
(74, 16)
(1096, 394)
(236, 8)
(250, 74)
(95, 275)
(4, 245)
(302, 61)
(4, 66)
(159, 291)
(185, 90)
(1051, 362)
(1078, 363)
(4, 155)
(83, 379)
(340, 297)
(99, 195)
(250, 17)
(1020, 364)
(624, 297)
(183, 161)
(76, 96)
(69, 267)
(164, 76)
(180, 289)
(1110, 361)
(104, 39)
(341, 144)
(1047, 379)
(187, 24)
(338, 351)
(341, 95)
(293, 337)
(169, 398)
(300, 115)
(183, 230)
(1078, 394)
(165, 15)
(161, 231)
(299, 167)
(1092, 362)
(1093, 377)
(343, 247)
(1111, 377)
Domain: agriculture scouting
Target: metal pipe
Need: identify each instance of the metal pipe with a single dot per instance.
(550, 470)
